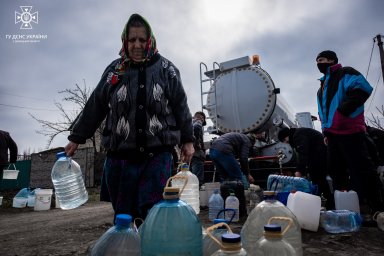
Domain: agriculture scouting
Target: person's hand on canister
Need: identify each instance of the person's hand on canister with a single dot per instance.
(187, 151)
(71, 148)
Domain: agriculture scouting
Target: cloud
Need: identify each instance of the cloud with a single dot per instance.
(84, 37)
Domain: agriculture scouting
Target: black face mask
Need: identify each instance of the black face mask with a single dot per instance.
(323, 67)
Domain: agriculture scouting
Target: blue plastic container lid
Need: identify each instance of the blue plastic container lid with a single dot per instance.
(216, 221)
(230, 238)
(123, 220)
(61, 154)
(272, 228)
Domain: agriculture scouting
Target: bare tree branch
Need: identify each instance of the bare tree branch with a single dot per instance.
(78, 96)
(375, 120)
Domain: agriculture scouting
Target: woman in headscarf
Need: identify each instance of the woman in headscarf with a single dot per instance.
(143, 100)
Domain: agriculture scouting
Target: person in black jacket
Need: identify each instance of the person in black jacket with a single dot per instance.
(197, 162)
(311, 157)
(7, 144)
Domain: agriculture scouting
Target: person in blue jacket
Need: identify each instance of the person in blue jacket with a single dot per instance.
(340, 98)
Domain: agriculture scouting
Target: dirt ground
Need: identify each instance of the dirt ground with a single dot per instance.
(24, 231)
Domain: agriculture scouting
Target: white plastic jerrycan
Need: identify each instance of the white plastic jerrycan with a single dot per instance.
(347, 200)
(306, 207)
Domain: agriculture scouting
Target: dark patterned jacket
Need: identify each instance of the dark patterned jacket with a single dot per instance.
(145, 108)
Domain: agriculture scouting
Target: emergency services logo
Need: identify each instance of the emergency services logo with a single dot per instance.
(26, 17)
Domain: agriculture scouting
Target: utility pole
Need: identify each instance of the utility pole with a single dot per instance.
(380, 44)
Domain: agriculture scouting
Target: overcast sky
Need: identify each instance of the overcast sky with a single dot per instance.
(80, 38)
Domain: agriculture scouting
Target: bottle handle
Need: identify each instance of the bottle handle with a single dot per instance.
(214, 227)
(289, 220)
(69, 160)
(134, 223)
(375, 216)
(227, 210)
(179, 178)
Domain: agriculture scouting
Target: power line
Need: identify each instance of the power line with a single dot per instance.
(374, 92)
(370, 58)
(30, 108)
(22, 96)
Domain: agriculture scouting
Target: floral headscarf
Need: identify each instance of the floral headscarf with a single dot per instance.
(150, 48)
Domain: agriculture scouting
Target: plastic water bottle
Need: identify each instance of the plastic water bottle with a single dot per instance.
(171, 227)
(215, 205)
(340, 221)
(254, 197)
(230, 246)
(232, 202)
(253, 227)
(209, 245)
(31, 197)
(21, 198)
(68, 182)
(120, 239)
(347, 200)
(273, 244)
(191, 192)
(230, 243)
(288, 183)
(236, 187)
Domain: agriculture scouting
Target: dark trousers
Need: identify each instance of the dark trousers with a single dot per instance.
(197, 168)
(351, 167)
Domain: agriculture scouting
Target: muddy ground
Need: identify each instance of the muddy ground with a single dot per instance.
(24, 231)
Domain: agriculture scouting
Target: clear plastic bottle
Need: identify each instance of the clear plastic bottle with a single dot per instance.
(254, 197)
(215, 205)
(232, 202)
(209, 245)
(230, 246)
(171, 228)
(273, 244)
(191, 192)
(21, 198)
(121, 239)
(340, 221)
(31, 197)
(289, 183)
(68, 181)
(253, 227)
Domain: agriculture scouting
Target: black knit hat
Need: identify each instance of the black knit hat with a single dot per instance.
(283, 133)
(202, 114)
(331, 55)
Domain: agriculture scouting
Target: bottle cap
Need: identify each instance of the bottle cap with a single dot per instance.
(272, 228)
(171, 193)
(61, 154)
(216, 221)
(184, 167)
(230, 238)
(123, 220)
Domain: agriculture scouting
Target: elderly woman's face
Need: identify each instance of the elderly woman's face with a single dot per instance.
(137, 41)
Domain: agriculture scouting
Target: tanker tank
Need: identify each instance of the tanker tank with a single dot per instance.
(243, 98)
